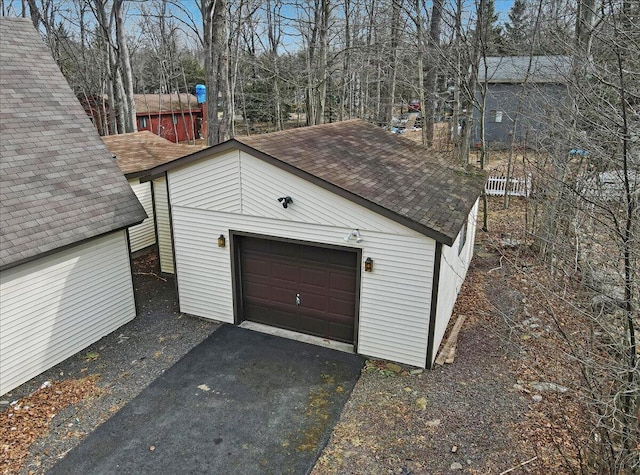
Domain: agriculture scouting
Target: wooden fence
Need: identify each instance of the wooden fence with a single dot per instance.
(496, 185)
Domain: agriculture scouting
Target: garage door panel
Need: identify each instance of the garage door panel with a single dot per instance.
(283, 295)
(284, 271)
(281, 248)
(315, 254)
(341, 332)
(347, 260)
(274, 272)
(313, 277)
(257, 289)
(305, 289)
(340, 306)
(314, 325)
(310, 301)
(261, 245)
(253, 265)
(270, 315)
(344, 282)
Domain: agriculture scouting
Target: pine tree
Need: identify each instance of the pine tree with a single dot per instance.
(515, 30)
(491, 30)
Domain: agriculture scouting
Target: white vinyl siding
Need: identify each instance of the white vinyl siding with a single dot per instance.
(208, 185)
(453, 269)
(144, 234)
(58, 305)
(165, 250)
(394, 299)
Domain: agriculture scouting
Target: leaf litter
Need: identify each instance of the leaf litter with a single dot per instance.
(30, 417)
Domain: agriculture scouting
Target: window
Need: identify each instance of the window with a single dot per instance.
(495, 116)
(143, 123)
(175, 119)
(463, 238)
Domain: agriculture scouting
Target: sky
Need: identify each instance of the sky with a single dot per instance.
(187, 12)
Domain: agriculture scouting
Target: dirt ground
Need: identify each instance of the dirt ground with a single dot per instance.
(480, 414)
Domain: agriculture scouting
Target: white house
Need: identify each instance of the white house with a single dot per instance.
(136, 153)
(342, 231)
(65, 270)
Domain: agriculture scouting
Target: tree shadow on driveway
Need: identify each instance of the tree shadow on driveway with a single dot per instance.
(240, 402)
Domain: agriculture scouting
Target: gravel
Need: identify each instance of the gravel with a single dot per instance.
(457, 417)
(127, 361)
(462, 417)
(386, 427)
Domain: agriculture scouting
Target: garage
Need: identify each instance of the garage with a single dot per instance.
(343, 231)
(300, 287)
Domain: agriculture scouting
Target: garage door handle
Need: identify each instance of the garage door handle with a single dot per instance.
(297, 299)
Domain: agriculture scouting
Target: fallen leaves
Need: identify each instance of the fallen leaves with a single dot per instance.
(91, 356)
(29, 418)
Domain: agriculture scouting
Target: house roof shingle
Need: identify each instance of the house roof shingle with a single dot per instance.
(140, 151)
(514, 69)
(390, 174)
(58, 183)
(154, 103)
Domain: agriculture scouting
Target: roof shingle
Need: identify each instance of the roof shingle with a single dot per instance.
(517, 69)
(154, 103)
(139, 151)
(59, 183)
(387, 170)
(392, 174)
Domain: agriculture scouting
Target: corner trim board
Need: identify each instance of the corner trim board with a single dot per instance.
(173, 244)
(434, 304)
(136, 308)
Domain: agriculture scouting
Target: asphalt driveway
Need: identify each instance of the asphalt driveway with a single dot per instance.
(241, 402)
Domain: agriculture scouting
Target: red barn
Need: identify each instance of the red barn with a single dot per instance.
(175, 117)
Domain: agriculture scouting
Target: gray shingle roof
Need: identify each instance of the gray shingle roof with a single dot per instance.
(390, 174)
(58, 183)
(513, 69)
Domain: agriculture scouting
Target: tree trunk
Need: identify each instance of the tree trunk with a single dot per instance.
(214, 22)
(396, 6)
(432, 70)
(420, 67)
(322, 76)
(125, 65)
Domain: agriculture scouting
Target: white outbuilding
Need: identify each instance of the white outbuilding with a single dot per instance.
(342, 231)
(135, 153)
(65, 269)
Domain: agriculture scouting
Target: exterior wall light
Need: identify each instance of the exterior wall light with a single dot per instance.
(368, 265)
(222, 242)
(356, 234)
(285, 200)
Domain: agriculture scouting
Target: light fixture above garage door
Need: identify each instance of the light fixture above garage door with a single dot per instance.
(356, 234)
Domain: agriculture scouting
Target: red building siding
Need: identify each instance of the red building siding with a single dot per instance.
(173, 126)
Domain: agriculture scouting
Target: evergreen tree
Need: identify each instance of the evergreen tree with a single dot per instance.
(491, 30)
(515, 30)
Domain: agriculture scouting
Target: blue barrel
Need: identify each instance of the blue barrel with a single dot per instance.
(201, 93)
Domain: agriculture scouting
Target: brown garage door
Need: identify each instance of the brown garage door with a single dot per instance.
(298, 287)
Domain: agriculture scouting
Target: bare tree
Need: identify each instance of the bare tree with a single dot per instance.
(125, 65)
(432, 71)
(214, 18)
(589, 229)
